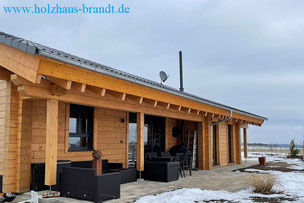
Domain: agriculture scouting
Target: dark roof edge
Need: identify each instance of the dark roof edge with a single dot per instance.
(163, 88)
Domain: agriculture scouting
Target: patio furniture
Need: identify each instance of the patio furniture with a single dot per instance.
(187, 163)
(38, 174)
(161, 171)
(106, 165)
(151, 155)
(165, 154)
(178, 158)
(83, 183)
(128, 175)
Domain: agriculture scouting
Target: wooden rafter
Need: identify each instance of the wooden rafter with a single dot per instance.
(168, 106)
(66, 84)
(98, 91)
(103, 92)
(123, 97)
(179, 108)
(79, 87)
(155, 103)
(141, 99)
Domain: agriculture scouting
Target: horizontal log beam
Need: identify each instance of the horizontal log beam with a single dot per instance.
(88, 98)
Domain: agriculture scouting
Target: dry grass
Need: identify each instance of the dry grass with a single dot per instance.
(263, 183)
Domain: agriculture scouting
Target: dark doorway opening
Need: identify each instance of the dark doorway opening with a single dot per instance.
(230, 144)
(154, 135)
(215, 145)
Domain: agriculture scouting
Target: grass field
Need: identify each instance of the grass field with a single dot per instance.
(269, 149)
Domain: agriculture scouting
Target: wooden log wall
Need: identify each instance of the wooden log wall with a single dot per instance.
(170, 141)
(2, 122)
(111, 130)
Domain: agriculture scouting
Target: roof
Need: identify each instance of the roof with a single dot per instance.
(41, 50)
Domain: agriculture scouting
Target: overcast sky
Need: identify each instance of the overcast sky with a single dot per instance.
(246, 54)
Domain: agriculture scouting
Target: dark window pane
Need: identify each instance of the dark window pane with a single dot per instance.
(80, 128)
(84, 121)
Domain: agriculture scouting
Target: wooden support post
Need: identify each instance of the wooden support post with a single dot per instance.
(238, 158)
(200, 145)
(24, 139)
(9, 134)
(207, 151)
(140, 141)
(245, 142)
(51, 142)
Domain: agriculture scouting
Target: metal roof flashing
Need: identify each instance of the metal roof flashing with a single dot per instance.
(35, 48)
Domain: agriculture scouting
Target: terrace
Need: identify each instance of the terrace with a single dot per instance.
(222, 178)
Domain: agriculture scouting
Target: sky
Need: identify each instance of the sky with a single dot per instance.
(246, 54)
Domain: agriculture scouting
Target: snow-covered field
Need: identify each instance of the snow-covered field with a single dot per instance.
(290, 185)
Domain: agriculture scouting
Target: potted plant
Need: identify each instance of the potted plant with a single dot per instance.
(262, 160)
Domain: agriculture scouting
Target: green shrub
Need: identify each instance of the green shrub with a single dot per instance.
(293, 150)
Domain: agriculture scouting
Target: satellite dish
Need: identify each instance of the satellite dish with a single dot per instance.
(163, 76)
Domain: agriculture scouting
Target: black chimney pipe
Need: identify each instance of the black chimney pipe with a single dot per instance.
(181, 88)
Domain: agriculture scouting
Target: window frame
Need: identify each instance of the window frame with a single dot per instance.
(78, 110)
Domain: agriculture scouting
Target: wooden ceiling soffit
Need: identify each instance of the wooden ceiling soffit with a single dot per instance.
(19, 62)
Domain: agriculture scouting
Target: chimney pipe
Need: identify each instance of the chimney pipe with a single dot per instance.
(181, 88)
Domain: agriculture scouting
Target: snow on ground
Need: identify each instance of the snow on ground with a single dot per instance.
(297, 164)
(190, 195)
(289, 184)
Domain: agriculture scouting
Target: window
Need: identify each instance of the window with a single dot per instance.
(80, 128)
